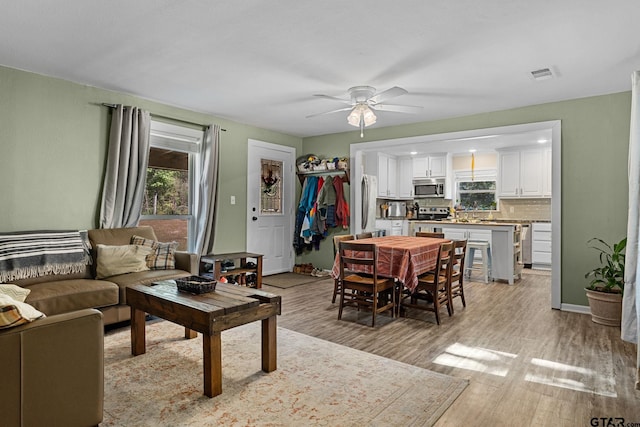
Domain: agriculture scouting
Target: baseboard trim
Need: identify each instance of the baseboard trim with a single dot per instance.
(574, 308)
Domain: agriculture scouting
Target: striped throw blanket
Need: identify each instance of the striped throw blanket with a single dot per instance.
(31, 254)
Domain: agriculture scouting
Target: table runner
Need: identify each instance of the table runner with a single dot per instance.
(37, 253)
(400, 257)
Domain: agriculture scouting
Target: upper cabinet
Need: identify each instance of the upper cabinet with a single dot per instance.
(524, 173)
(387, 172)
(405, 178)
(394, 175)
(432, 166)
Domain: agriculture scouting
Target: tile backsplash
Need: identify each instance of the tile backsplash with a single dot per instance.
(533, 209)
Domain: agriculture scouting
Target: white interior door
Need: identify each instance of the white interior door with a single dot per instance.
(270, 187)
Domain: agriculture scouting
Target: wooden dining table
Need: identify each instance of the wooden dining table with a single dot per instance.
(399, 257)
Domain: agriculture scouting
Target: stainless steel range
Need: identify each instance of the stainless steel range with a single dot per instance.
(432, 214)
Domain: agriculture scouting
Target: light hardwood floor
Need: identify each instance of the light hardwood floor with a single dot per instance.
(527, 365)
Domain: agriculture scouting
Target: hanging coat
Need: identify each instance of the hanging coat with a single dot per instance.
(342, 208)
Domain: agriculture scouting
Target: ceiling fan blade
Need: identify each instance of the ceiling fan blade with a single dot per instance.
(387, 94)
(411, 109)
(330, 112)
(334, 98)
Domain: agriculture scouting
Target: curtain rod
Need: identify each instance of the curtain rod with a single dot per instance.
(104, 104)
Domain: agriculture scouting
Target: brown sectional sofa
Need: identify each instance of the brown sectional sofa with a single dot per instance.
(53, 371)
(56, 294)
(53, 367)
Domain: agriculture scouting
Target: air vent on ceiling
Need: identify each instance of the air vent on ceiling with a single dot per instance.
(542, 74)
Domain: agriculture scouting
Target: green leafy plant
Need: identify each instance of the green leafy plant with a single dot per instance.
(609, 277)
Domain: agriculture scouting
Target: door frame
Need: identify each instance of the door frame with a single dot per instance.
(358, 149)
(288, 181)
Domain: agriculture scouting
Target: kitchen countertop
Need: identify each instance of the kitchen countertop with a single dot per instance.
(482, 221)
(485, 223)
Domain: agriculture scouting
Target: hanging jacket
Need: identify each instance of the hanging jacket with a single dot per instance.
(298, 241)
(342, 208)
(327, 203)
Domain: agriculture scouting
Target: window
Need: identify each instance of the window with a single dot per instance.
(477, 191)
(170, 190)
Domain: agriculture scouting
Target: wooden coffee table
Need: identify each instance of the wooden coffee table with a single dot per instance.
(210, 314)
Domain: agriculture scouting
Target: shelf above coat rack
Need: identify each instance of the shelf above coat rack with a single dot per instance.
(331, 172)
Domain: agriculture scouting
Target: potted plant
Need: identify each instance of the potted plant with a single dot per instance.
(607, 282)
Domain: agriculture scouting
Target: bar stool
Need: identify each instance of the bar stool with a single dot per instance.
(485, 250)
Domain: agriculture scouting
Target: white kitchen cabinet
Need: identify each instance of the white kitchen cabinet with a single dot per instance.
(432, 166)
(387, 176)
(405, 178)
(521, 174)
(468, 234)
(455, 233)
(504, 259)
(393, 227)
(541, 245)
(384, 224)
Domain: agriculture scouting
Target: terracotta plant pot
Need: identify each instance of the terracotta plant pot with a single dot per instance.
(606, 308)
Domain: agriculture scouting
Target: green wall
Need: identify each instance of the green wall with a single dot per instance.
(53, 145)
(595, 140)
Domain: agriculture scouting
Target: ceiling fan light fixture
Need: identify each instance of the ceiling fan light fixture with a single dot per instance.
(354, 117)
(361, 113)
(368, 116)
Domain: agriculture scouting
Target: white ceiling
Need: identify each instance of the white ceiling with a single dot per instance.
(260, 62)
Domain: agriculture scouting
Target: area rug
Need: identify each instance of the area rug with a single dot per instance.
(289, 280)
(317, 383)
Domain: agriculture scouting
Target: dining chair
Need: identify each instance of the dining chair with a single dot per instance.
(370, 290)
(433, 286)
(336, 241)
(429, 234)
(364, 235)
(457, 272)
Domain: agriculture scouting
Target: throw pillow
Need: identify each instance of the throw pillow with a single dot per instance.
(14, 313)
(16, 292)
(114, 260)
(163, 255)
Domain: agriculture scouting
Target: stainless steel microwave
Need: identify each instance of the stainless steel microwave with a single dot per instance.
(428, 188)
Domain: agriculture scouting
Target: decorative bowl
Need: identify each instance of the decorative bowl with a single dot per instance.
(196, 284)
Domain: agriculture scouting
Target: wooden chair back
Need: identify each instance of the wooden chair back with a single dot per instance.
(435, 284)
(457, 271)
(358, 254)
(336, 282)
(364, 235)
(340, 238)
(366, 290)
(429, 234)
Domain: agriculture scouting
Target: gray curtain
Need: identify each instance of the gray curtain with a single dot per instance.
(126, 171)
(631, 298)
(205, 203)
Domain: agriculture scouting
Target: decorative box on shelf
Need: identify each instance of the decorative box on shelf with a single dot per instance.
(196, 284)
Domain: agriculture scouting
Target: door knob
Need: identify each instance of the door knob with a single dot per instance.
(254, 218)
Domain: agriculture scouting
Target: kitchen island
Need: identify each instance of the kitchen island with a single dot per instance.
(504, 238)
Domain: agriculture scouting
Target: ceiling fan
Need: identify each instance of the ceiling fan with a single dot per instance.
(364, 100)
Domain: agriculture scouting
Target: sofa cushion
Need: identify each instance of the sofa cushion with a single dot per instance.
(144, 278)
(163, 255)
(62, 296)
(18, 293)
(14, 313)
(119, 236)
(115, 260)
